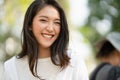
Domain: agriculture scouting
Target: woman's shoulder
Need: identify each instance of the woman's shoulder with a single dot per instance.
(12, 65)
(75, 58)
(13, 60)
(78, 66)
(9, 67)
(9, 61)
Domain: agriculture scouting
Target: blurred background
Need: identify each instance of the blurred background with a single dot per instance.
(88, 20)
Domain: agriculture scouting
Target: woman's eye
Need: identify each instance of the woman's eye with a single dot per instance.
(58, 23)
(43, 20)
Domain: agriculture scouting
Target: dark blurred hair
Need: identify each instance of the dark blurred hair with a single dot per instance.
(30, 44)
(105, 50)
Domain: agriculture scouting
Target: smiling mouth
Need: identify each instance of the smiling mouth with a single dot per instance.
(47, 36)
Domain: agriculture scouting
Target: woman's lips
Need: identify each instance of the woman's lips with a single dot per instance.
(47, 36)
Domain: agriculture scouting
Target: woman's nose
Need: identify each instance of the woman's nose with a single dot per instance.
(50, 27)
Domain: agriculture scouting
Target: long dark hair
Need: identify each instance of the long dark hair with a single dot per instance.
(30, 44)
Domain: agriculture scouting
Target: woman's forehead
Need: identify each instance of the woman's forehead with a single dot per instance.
(48, 11)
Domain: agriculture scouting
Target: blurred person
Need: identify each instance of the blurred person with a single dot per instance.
(45, 54)
(109, 56)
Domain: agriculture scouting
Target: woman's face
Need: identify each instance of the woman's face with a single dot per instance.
(46, 26)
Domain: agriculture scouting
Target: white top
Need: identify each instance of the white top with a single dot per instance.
(18, 69)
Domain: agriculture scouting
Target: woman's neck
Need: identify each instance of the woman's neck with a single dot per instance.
(44, 52)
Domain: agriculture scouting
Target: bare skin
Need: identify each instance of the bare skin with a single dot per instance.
(113, 58)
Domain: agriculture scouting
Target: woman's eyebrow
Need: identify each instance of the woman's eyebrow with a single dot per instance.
(43, 16)
(57, 19)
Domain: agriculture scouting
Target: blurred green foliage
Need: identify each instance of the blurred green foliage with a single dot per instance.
(101, 10)
(105, 9)
(11, 13)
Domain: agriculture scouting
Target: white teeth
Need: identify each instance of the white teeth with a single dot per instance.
(47, 36)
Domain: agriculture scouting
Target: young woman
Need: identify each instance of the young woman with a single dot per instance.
(44, 54)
